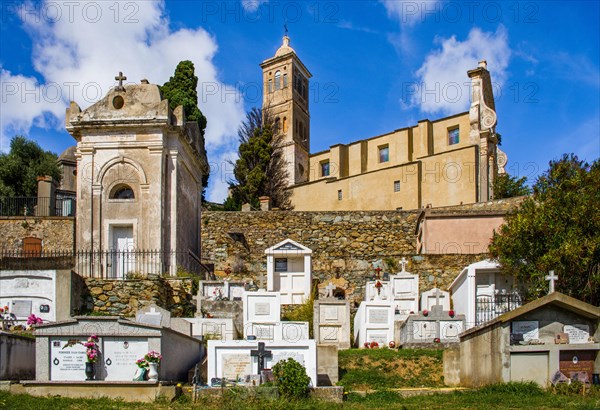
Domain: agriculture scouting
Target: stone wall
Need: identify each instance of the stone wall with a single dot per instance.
(56, 233)
(126, 297)
(345, 245)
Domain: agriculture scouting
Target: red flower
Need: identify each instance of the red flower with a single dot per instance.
(451, 313)
(367, 345)
(392, 344)
(436, 340)
(378, 284)
(374, 345)
(425, 312)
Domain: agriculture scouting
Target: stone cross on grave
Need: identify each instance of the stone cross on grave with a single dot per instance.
(551, 278)
(330, 288)
(261, 280)
(120, 78)
(437, 296)
(262, 354)
(403, 262)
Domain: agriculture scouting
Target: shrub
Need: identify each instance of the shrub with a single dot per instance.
(291, 379)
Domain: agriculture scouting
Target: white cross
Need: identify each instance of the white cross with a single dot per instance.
(437, 296)
(261, 280)
(330, 288)
(403, 262)
(551, 278)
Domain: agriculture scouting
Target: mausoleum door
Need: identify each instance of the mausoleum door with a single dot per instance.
(123, 261)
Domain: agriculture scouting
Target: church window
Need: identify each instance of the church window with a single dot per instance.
(277, 80)
(300, 169)
(122, 192)
(453, 136)
(118, 102)
(384, 153)
(325, 168)
(285, 124)
(270, 85)
(285, 80)
(396, 186)
(339, 194)
(277, 124)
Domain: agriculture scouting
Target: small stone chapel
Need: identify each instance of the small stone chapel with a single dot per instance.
(140, 167)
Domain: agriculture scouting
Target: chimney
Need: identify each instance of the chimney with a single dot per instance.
(265, 203)
(483, 64)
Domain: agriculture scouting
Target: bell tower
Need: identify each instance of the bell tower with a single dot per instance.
(285, 97)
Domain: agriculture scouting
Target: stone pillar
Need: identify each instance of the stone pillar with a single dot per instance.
(46, 196)
(265, 203)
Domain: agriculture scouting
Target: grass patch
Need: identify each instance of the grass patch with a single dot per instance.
(377, 369)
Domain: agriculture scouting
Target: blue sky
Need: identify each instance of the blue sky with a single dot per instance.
(377, 66)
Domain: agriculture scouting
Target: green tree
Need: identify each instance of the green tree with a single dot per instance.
(260, 169)
(558, 228)
(181, 89)
(506, 186)
(20, 168)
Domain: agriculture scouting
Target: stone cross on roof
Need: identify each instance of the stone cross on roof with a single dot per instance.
(437, 296)
(120, 78)
(261, 280)
(330, 288)
(551, 278)
(403, 262)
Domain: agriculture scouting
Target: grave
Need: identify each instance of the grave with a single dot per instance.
(374, 322)
(121, 343)
(405, 291)
(157, 316)
(331, 321)
(44, 293)
(289, 271)
(221, 290)
(235, 360)
(431, 327)
(213, 328)
(434, 297)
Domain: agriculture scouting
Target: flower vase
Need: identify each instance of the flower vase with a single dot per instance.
(89, 371)
(153, 372)
(140, 374)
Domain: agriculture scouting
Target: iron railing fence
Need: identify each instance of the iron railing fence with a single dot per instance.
(111, 264)
(34, 206)
(488, 307)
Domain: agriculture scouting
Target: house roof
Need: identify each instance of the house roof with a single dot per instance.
(287, 246)
(556, 298)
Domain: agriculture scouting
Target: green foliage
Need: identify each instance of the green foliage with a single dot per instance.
(303, 312)
(291, 379)
(260, 169)
(556, 229)
(181, 89)
(523, 388)
(20, 168)
(506, 186)
(380, 369)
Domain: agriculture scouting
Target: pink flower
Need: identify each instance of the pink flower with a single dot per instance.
(34, 320)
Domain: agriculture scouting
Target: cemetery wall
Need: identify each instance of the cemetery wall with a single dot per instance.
(344, 244)
(125, 297)
(56, 233)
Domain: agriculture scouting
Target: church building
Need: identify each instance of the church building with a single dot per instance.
(139, 178)
(444, 162)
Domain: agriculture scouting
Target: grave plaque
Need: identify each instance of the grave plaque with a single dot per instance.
(378, 315)
(278, 356)
(120, 356)
(236, 292)
(329, 334)
(329, 313)
(572, 361)
(262, 309)
(21, 308)
(528, 328)
(67, 364)
(577, 333)
(154, 319)
(264, 331)
(236, 365)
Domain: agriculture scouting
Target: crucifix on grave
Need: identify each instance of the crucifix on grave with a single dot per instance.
(262, 354)
(403, 262)
(377, 272)
(120, 78)
(330, 288)
(551, 278)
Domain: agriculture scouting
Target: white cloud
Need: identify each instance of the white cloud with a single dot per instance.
(443, 85)
(221, 174)
(80, 53)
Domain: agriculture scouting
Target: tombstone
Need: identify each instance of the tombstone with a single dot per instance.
(378, 290)
(331, 322)
(374, 322)
(212, 328)
(213, 290)
(431, 326)
(234, 360)
(435, 297)
(156, 316)
(577, 333)
(289, 271)
(262, 314)
(120, 341)
(405, 293)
